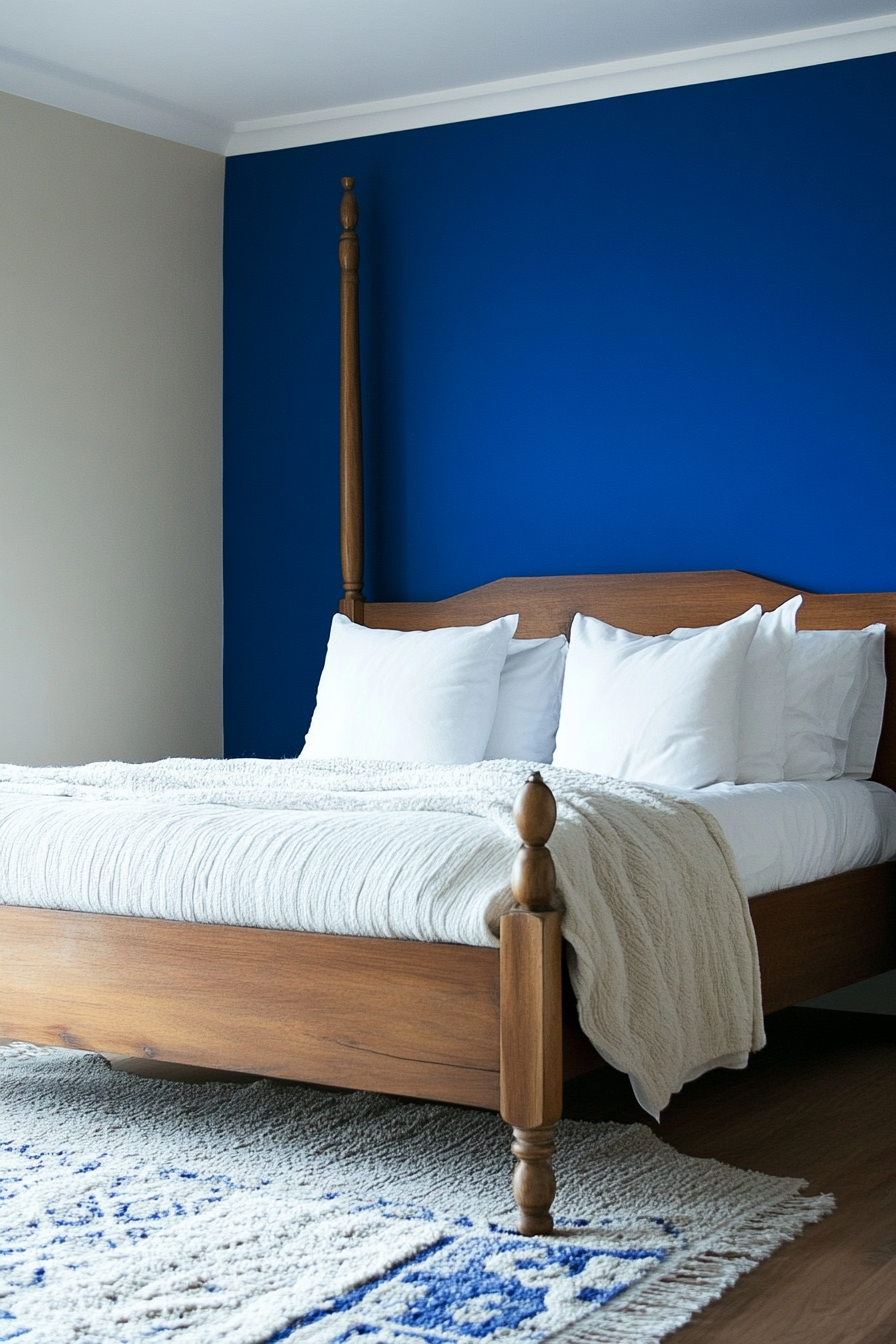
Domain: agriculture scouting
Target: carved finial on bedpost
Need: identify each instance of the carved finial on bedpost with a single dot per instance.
(533, 880)
(350, 450)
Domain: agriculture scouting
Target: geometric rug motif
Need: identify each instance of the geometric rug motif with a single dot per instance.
(136, 1210)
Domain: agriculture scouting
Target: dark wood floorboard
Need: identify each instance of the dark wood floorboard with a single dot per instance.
(819, 1102)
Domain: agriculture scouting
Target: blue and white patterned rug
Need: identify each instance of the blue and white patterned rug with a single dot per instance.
(134, 1209)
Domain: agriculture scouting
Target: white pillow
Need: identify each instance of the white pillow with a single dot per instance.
(427, 696)
(864, 735)
(525, 727)
(762, 747)
(651, 707)
(826, 680)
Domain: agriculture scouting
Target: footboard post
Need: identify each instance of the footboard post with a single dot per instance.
(531, 1022)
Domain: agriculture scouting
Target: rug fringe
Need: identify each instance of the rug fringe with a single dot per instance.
(646, 1314)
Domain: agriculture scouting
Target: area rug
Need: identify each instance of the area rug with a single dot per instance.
(135, 1209)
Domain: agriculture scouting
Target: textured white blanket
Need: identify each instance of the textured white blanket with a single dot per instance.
(663, 959)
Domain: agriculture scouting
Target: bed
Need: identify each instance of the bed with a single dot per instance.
(491, 1027)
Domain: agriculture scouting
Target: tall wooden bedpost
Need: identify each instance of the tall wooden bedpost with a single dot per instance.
(531, 1019)
(351, 470)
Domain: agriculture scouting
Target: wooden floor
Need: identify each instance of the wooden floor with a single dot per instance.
(818, 1102)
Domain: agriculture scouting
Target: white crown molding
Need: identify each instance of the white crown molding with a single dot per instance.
(43, 82)
(103, 100)
(698, 65)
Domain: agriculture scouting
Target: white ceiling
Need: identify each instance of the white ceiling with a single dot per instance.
(197, 70)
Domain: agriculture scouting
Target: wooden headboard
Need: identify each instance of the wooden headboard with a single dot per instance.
(649, 604)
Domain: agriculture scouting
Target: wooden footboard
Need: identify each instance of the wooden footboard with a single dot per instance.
(417, 1019)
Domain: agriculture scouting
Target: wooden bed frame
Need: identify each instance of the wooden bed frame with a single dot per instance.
(471, 1025)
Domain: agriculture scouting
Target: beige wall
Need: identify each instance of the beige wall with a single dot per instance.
(110, 441)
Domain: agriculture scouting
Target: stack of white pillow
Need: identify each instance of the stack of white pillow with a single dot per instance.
(749, 701)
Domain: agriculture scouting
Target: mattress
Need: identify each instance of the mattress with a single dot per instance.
(783, 835)
(275, 868)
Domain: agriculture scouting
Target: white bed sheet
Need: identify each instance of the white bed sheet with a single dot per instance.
(783, 835)
(273, 869)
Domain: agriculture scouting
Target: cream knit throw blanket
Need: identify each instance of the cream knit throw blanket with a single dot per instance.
(662, 954)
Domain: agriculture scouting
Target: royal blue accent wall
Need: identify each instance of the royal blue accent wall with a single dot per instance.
(652, 332)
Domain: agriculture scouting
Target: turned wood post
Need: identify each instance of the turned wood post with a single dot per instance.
(351, 471)
(531, 1016)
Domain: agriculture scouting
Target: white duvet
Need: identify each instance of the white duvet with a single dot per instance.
(663, 959)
